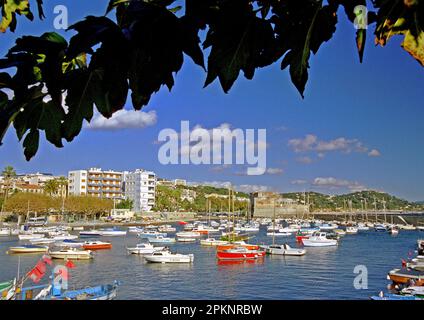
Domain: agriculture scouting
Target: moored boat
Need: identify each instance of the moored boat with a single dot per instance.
(319, 239)
(405, 276)
(161, 239)
(189, 240)
(151, 234)
(96, 245)
(71, 253)
(284, 249)
(90, 233)
(112, 232)
(188, 234)
(102, 292)
(28, 249)
(168, 257)
(239, 253)
(212, 242)
(144, 248)
(236, 244)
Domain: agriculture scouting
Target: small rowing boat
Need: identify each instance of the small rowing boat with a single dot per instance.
(102, 292)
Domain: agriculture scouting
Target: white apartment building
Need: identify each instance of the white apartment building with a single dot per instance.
(140, 187)
(96, 182)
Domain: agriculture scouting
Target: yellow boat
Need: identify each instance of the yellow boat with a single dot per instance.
(28, 249)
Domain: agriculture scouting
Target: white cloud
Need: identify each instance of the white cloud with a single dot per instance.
(374, 153)
(274, 171)
(124, 119)
(304, 160)
(311, 143)
(247, 188)
(299, 182)
(334, 183)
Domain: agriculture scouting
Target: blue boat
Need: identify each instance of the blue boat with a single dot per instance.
(49, 292)
(395, 297)
(380, 228)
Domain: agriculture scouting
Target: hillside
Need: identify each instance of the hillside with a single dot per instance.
(370, 200)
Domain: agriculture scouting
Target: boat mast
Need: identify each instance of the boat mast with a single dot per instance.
(273, 224)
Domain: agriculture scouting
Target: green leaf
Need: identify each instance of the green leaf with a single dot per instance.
(109, 63)
(7, 113)
(81, 89)
(240, 41)
(5, 80)
(156, 50)
(31, 143)
(51, 122)
(9, 11)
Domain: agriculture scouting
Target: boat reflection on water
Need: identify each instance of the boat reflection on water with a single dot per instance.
(240, 262)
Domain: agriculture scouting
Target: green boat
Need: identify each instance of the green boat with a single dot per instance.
(4, 288)
(235, 237)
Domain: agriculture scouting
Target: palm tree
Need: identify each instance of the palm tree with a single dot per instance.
(51, 187)
(8, 174)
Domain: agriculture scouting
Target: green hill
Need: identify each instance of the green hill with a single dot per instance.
(370, 200)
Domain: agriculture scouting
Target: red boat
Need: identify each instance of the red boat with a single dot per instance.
(96, 245)
(182, 223)
(300, 236)
(236, 245)
(239, 253)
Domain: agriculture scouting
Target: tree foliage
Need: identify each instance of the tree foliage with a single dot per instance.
(141, 49)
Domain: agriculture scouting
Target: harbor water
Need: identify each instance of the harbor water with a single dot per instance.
(323, 273)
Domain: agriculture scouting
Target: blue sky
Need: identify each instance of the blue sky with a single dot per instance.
(369, 114)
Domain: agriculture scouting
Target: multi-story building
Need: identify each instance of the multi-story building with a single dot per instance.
(96, 183)
(140, 187)
(264, 204)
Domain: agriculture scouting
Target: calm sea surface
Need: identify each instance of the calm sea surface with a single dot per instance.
(323, 273)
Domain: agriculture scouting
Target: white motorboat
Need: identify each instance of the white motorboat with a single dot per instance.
(351, 230)
(29, 236)
(278, 234)
(112, 232)
(212, 242)
(328, 227)
(394, 230)
(319, 239)
(64, 237)
(144, 248)
(5, 232)
(167, 228)
(187, 240)
(274, 228)
(135, 230)
(188, 234)
(168, 257)
(42, 241)
(151, 234)
(363, 227)
(408, 227)
(284, 249)
(161, 239)
(420, 228)
(288, 230)
(28, 249)
(69, 244)
(71, 253)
